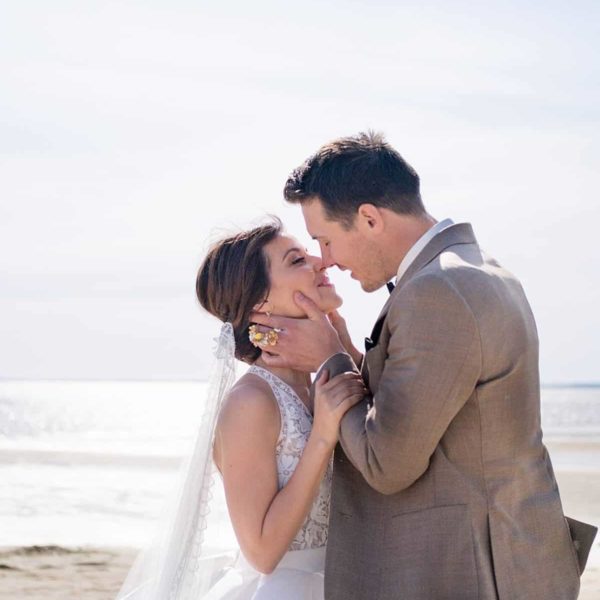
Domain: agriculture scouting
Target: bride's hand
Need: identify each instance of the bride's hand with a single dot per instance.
(339, 324)
(332, 399)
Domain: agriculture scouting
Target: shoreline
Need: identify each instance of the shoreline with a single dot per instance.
(96, 571)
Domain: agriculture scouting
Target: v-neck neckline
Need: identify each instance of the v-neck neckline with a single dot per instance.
(288, 387)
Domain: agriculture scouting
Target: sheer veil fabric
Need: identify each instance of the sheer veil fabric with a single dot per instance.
(178, 565)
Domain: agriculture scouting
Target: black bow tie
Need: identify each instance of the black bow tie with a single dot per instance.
(371, 342)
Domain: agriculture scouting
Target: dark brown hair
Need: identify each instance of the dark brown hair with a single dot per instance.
(234, 278)
(354, 170)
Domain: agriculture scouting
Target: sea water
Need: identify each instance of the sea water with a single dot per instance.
(92, 463)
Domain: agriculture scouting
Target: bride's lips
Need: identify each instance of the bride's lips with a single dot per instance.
(325, 283)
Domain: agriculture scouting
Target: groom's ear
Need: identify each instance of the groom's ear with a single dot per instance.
(370, 218)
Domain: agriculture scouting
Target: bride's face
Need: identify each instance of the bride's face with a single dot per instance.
(292, 269)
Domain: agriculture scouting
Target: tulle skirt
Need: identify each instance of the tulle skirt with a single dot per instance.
(299, 576)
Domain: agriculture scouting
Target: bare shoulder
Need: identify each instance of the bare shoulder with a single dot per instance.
(250, 404)
(248, 423)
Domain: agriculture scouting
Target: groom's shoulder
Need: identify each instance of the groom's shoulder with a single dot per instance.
(430, 287)
(456, 272)
(467, 265)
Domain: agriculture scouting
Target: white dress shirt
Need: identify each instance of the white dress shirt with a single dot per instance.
(419, 245)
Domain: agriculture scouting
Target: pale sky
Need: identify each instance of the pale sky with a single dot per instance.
(133, 133)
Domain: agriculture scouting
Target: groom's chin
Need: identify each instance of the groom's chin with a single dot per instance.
(371, 286)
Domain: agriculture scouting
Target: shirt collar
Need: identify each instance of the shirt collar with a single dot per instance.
(419, 245)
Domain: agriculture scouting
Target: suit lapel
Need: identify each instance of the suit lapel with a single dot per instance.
(461, 233)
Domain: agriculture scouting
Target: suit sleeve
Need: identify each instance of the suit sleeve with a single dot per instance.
(336, 365)
(432, 366)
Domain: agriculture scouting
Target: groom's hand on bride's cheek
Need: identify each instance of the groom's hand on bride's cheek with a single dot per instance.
(303, 344)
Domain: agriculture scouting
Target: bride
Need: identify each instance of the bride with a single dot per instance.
(270, 440)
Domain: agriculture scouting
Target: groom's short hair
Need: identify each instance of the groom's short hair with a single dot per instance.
(351, 171)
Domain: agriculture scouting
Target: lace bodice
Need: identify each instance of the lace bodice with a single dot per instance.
(296, 424)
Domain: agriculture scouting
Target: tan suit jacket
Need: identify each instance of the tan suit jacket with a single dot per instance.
(442, 487)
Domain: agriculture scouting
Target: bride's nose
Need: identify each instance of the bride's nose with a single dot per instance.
(317, 263)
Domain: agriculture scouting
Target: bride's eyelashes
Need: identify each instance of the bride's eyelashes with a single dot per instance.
(300, 258)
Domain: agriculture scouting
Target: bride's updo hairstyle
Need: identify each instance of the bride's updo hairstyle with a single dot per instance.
(234, 278)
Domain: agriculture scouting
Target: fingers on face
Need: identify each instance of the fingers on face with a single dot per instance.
(313, 312)
(261, 318)
(265, 320)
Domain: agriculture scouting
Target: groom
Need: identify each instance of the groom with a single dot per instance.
(442, 486)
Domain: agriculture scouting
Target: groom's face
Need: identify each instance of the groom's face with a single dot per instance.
(348, 249)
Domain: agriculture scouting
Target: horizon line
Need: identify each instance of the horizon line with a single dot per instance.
(567, 384)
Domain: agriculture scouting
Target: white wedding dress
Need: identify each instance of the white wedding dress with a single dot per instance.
(299, 575)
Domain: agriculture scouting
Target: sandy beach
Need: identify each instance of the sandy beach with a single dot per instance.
(582, 490)
(87, 573)
(57, 573)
